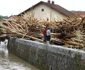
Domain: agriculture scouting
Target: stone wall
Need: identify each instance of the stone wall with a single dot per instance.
(47, 57)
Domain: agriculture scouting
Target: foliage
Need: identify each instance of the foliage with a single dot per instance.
(3, 17)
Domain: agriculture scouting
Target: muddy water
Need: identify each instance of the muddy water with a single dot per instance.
(8, 61)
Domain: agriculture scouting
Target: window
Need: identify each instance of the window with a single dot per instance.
(47, 19)
(42, 10)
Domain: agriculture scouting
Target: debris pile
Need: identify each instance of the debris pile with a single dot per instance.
(69, 32)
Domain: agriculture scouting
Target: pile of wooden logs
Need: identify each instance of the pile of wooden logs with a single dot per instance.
(69, 32)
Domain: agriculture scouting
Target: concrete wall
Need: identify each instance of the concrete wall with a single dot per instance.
(47, 57)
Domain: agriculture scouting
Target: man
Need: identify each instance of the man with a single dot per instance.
(44, 33)
(48, 35)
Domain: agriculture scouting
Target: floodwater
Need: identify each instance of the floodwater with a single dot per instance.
(8, 61)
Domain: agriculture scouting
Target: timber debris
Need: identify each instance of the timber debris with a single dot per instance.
(69, 32)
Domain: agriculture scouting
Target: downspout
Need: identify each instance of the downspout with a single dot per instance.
(51, 15)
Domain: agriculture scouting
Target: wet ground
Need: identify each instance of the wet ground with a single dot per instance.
(8, 61)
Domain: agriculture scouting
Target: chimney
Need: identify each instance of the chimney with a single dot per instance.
(48, 1)
(52, 2)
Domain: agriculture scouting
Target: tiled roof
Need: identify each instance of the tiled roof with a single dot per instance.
(79, 13)
(53, 6)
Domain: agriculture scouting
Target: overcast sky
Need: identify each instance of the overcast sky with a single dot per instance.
(14, 7)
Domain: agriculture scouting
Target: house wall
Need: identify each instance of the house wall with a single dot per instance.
(47, 57)
(47, 14)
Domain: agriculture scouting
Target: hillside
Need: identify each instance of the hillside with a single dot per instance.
(2, 17)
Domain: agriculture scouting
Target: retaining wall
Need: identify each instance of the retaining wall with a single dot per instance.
(47, 57)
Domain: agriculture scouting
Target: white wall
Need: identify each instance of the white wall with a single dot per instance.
(48, 13)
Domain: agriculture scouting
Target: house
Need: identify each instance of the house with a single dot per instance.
(47, 11)
(79, 13)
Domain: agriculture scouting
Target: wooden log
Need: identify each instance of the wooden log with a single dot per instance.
(57, 41)
(74, 43)
(3, 35)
